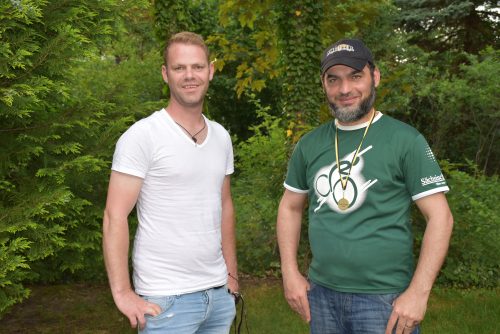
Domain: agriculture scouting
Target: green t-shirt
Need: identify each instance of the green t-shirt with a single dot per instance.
(366, 248)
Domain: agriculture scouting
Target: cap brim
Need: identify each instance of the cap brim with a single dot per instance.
(355, 63)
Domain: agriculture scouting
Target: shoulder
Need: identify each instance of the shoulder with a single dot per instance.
(397, 129)
(218, 129)
(397, 125)
(141, 129)
(216, 126)
(316, 134)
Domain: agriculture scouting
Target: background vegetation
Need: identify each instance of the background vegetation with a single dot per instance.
(75, 74)
(89, 309)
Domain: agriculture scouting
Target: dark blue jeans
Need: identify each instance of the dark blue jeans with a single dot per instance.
(335, 312)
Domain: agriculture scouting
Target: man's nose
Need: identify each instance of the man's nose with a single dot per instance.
(189, 73)
(345, 87)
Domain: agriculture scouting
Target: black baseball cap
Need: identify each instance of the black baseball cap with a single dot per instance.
(349, 52)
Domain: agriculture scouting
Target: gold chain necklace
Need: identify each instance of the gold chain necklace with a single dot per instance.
(343, 203)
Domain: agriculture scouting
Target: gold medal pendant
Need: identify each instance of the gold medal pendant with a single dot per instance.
(343, 204)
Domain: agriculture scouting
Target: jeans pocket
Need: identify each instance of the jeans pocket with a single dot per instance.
(164, 302)
(312, 286)
(388, 298)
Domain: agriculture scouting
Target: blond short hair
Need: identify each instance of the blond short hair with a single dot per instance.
(186, 37)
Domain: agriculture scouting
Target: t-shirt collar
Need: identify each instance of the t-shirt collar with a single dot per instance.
(358, 126)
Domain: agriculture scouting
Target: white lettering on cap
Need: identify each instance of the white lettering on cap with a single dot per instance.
(340, 47)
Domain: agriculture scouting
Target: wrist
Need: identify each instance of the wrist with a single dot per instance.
(290, 270)
(232, 276)
(120, 292)
(420, 289)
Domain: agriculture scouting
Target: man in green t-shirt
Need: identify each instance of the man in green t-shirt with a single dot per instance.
(359, 174)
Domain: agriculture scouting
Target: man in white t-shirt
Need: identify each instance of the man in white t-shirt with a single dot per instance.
(175, 167)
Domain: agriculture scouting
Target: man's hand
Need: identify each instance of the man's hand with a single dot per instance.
(232, 284)
(408, 311)
(134, 308)
(296, 287)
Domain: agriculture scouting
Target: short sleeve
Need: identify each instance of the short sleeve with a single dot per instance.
(296, 178)
(133, 151)
(423, 175)
(230, 156)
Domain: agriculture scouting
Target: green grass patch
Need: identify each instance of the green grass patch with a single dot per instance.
(89, 309)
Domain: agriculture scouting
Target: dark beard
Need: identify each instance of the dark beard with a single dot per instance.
(349, 115)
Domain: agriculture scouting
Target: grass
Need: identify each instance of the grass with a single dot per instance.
(82, 309)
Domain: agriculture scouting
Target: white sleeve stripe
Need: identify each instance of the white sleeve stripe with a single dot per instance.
(295, 190)
(444, 189)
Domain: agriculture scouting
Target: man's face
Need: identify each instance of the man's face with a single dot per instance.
(187, 74)
(350, 93)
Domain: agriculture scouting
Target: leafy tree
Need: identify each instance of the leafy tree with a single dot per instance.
(459, 122)
(58, 124)
(173, 16)
(133, 31)
(469, 116)
(451, 26)
(300, 38)
(248, 38)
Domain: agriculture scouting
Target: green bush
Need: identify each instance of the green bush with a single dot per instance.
(43, 132)
(474, 256)
(258, 185)
(261, 165)
(62, 108)
(473, 259)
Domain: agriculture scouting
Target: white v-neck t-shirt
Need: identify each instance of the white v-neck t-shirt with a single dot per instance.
(177, 246)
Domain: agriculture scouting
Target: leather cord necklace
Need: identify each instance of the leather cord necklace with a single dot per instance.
(193, 137)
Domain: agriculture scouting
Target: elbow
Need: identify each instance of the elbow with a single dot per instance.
(450, 221)
(105, 220)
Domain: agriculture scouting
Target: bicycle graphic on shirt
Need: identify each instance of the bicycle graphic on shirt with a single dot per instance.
(328, 187)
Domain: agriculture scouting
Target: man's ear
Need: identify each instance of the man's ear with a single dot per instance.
(211, 69)
(322, 84)
(164, 73)
(376, 76)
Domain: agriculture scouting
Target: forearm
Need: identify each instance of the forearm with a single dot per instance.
(410, 307)
(288, 227)
(115, 248)
(228, 231)
(288, 232)
(432, 254)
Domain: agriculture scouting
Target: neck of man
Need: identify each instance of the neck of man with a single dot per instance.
(189, 117)
(366, 118)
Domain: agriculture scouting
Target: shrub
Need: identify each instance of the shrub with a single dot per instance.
(473, 259)
(261, 165)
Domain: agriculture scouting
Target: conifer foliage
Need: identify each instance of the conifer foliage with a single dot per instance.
(48, 172)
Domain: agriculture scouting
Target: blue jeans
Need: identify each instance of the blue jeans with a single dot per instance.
(205, 312)
(335, 312)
